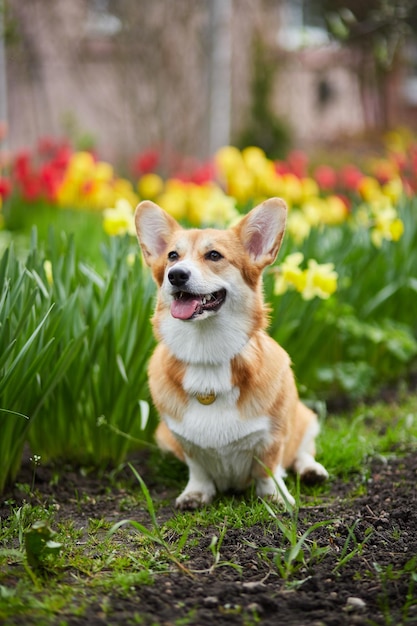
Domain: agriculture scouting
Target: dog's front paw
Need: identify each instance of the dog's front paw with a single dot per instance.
(191, 500)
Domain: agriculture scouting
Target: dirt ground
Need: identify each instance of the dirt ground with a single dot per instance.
(377, 584)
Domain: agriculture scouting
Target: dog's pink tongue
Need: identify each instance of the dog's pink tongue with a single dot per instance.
(184, 309)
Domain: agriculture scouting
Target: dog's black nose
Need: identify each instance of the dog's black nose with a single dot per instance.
(178, 276)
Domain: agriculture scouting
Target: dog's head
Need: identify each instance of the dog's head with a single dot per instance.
(210, 272)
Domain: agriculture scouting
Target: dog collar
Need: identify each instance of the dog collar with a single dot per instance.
(206, 398)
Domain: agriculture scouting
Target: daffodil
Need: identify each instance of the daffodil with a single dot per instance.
(298, 226)
(314, 211)
(318, 280)
(220, 210)
(289, 274)
(120, 219)
(321, 280)
(386, 224)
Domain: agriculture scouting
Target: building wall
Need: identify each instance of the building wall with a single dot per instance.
(147, 84)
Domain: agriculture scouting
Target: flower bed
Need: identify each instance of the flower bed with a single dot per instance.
(74, 327)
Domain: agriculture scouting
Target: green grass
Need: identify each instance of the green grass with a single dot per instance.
(368, 431)
(103, 556)
(85, 227)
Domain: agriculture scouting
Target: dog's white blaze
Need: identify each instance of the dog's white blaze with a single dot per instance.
(204, 378)
(199, 343)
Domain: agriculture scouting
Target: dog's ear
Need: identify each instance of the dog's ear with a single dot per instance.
(154, 227)
(261, 231)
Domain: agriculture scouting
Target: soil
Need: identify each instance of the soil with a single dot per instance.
(368, 574)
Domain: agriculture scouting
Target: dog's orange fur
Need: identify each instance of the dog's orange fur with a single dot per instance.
(261, 379)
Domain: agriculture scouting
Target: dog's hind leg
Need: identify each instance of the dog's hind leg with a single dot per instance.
(167, 442)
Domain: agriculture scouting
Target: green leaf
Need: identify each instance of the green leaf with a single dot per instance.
(39, 543)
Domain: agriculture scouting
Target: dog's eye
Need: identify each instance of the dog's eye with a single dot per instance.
(213, 255)
(173, 256)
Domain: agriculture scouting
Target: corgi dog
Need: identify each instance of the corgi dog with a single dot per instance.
(223, 387)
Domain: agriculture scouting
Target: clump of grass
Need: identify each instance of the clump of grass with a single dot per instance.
(74, 345)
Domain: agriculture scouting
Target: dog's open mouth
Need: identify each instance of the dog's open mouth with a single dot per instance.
(186, 306)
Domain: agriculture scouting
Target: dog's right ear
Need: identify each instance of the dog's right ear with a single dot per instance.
(154, 227)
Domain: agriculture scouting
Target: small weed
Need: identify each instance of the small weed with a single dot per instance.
(347, 554)
(299, 551)
(215, 548)
(388, 575)
(155, 535)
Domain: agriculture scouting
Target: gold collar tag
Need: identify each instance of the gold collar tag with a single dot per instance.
(206, 398)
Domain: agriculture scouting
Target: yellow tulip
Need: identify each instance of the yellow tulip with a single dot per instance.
(292, 189)
(336, 211)
(254, 159)
(103, 172)
(369, 188)
(227, 160)
(81, 166)
(150, 186)
(174, 202)
(242, 185)
(393, 189)
(309, 189)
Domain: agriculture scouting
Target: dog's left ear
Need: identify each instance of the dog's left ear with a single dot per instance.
(261, 231)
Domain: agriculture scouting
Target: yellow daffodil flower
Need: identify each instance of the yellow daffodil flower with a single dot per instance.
(321, 280)
(386, 224)
(120, 219)
(298, 226)
(289, 274)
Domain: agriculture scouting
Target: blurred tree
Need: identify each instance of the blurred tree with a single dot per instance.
(375, 31)
(264, 128)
